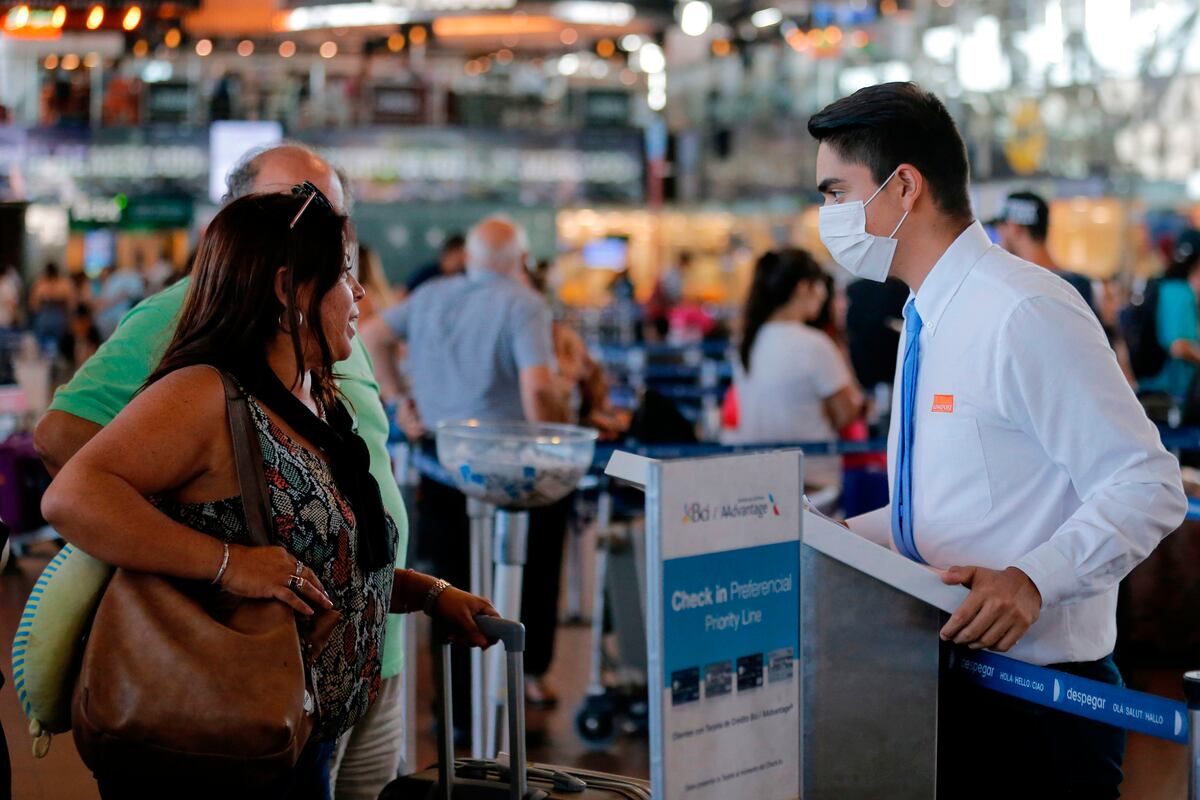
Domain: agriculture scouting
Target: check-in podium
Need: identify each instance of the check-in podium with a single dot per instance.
(868, 658)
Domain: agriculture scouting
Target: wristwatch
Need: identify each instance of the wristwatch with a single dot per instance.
(434, 593)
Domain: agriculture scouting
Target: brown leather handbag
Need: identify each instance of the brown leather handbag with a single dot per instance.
(181, 681)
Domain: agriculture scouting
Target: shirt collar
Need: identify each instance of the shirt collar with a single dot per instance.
(942, 282)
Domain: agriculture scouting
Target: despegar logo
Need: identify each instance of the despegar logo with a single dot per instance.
(756, 507)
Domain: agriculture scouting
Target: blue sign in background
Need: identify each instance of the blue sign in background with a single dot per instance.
(691, 642)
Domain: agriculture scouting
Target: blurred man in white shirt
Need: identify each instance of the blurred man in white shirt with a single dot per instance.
(1022, 465)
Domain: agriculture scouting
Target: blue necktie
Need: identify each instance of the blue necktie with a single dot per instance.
(902, 515)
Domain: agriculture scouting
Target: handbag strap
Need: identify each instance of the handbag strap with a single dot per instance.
(247, 459)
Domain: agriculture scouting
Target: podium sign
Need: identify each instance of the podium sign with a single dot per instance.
(723, 626)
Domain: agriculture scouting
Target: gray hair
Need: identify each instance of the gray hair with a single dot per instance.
(482, 256)
(240, 180)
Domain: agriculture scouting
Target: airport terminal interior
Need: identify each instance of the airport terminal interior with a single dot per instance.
(797, 398)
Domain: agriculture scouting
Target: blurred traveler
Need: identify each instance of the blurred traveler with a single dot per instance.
(10, 297)
(1023, 225)
(374, 282)
(51, 299)
(792, 382)
(874, 319)
(371, 754)
(669, 293)
(273, 303)
(121, 291)
(450, 261)
(479, 347)
(1171, 305)
(1022, 464)
(160, 273)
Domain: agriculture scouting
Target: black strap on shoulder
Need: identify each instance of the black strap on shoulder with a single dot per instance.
(247, 458)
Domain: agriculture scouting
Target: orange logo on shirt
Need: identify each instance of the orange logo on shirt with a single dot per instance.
(943, 403)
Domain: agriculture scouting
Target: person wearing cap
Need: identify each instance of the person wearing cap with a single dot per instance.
(1176, 321)
(1022, 466)
(1023, 225)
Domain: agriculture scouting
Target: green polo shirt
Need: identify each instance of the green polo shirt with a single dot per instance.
(109, 379)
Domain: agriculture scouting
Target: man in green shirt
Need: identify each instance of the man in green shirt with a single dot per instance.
(371, 753)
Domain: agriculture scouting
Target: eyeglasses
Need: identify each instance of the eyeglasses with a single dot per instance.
(310, 192)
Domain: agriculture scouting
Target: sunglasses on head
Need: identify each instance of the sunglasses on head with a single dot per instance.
(310, 193)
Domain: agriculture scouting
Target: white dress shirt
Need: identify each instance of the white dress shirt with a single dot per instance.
(1030, 449)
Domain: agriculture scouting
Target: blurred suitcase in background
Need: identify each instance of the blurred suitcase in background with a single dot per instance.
(493, 780)
(23, 481)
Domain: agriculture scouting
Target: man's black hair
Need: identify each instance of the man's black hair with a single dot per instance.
(454, 242)
(884, 126)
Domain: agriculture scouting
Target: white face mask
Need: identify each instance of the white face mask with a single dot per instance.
(843, 229)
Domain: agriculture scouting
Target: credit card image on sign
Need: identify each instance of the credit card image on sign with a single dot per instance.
(685, 686)
(750, 672)
(718, 679)
(779, 666)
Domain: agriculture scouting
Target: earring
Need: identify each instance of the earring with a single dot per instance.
(299, 320)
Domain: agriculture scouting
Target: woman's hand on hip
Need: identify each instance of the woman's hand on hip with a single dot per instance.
(272, 572)
(457, 610)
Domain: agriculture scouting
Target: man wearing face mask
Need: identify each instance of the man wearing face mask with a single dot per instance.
(1021, 464)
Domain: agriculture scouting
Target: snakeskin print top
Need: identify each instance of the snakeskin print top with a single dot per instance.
(314, 522)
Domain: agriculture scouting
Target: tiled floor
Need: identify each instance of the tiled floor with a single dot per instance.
(1155, 770)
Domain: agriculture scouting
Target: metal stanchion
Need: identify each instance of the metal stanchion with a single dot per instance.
(1191, 690)
(510, 553)
(480, 515)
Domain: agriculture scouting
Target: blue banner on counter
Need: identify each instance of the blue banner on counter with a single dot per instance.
(1103, 702)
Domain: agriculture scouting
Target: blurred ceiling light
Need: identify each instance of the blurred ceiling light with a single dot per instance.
(568, 65)
(504, 57)
(18, 18)
(59, 17)
(472, 68)
(396, 42)
(859, 39)
(329, 50)
(631, 43)
(346, 15)
(204, 47)
(491, 26)
(945, 3)
(628, 77)
(816, 37)
(245, 48)
(888, 7)
(833, 35)
(157, 72)
(721, 47)
(95, 18)
(172, 38)
(51, 62)
(982, 65)
(798, 40)
(133, 18)
(141, 48)
(656, 91)
(92, 60)
(598, 69)
(592, 12)
(606, 48)
(695, 17)
(569, 36)
(510, 41)
(766, 18)
(418, 35)
(287, 49)
(70, 62)
(651, 58)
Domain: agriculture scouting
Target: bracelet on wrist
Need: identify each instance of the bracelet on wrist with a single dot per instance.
(431, 597)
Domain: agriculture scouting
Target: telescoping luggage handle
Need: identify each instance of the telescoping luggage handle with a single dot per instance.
(512, 635)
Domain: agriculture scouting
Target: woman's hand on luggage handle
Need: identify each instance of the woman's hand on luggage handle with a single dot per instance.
(457, 610)
(268, 572)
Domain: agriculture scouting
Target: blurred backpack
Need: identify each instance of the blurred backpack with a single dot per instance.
(1139, 324)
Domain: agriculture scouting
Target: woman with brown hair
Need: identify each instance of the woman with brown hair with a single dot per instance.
(273, 303)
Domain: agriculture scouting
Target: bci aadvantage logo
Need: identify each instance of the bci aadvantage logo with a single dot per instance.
(757, 507)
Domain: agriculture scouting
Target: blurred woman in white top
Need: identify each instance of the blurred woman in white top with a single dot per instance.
(792, 383)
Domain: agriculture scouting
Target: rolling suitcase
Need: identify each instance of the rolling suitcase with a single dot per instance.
(497, 780)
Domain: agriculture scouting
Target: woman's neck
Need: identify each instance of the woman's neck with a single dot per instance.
(788, 313)
(281, 358)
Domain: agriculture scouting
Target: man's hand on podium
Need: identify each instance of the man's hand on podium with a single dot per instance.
(1002, 605)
